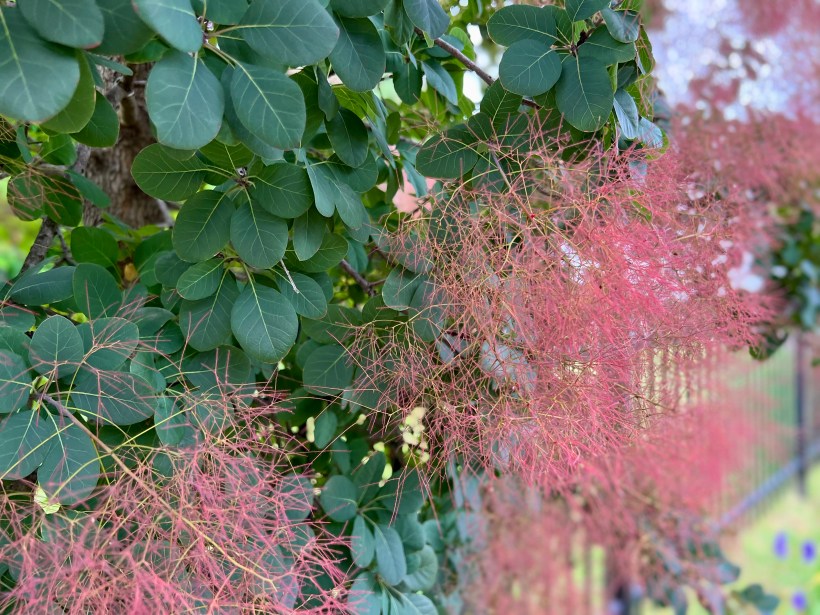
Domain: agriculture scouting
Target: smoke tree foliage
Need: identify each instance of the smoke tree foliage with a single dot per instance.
(289, 396)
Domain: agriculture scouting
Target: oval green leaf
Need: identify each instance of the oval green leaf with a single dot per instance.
(584, 93)
(259, 238)
(529, 68)
(264, 323)
(203, 226)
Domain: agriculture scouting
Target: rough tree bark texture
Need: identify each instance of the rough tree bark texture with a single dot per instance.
(110, 168)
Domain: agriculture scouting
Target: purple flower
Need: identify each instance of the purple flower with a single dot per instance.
(781, 545)
(799, 601)
(809, 551)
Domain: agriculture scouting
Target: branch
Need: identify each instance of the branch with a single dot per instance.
(360, 280)
(469, 64)
(45, 236)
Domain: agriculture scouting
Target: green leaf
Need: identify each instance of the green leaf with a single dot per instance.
(37, 78)
(424, 577)
(350, 207)
(601, 46)
(399, 288)
(24, 442)
(441, 81)
(75, 23)
(103, 129)
(118, 398)
(428, 16)
(348, 136)
(328, 370)
(59, 150)
(333, 249)
(283, 189)
(367, 477)
(15, 382)
(390, 562)
(323, 183)
(624, 26)
(515, 23)
(448, 155)
(80, 109)
(584, 93)
(89, 190)
(324, 431)
(207, 322)
(71, 468)
(529, 68)
(164, 175)
(259, 237)
(362, 543)
(338, 498)
(358, 57)
(579, 10)
(264, 323)
(203, 225)
(185, 101)
(308, 231)
(295, 33)
(229, 158)
(43, 288)
(96, 292)
(172, 425)
(627, 113)
(308, 299)
(124, 31)
(94, 245)
(417, 604)
(200, 280)
(108, 342)
(357, 8)
(173, 20)
(56, 345)
(269, 105)
(499, 104)
(650, 134)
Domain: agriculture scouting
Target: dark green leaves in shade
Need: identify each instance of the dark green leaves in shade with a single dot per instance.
(529, 68)
(308, 231)
(624, 26)
(43, 288)
(348, 136)
(71, 468)
(259, 237)
(185, 101)
(390, 560)
(357, 8)
(224, 12)
(448, 155)
(96, 292)
(15, 382)
(338, 498)
(441, 81)
(37, 78)
(124, 31)
(428, 16)
(206, 323)
(25, 442)
(203, 226)
(499, 104)
(423, 578)
(399, 287)
(295, 33)
(269, 105)
(75, 23)
(330, 253)
(56, 345)
(308, 298)
(103, 128)
(601, 46)
(264, 323)
(94, 245)
(579, 10)
(283, 189)
(174, 20)
(118, 398)
(358, 57)
(328, 370)
(163, 174)
(200, 280)
(584, 93)
(515, 23)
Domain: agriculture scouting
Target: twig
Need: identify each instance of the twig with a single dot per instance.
(468, 63)
(45, 237)
(360, 280)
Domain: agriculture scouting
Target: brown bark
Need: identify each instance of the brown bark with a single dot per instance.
(110, 168)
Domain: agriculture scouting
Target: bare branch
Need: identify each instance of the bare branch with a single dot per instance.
(360, 280)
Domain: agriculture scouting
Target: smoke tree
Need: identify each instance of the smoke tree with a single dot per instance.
(235, 378)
